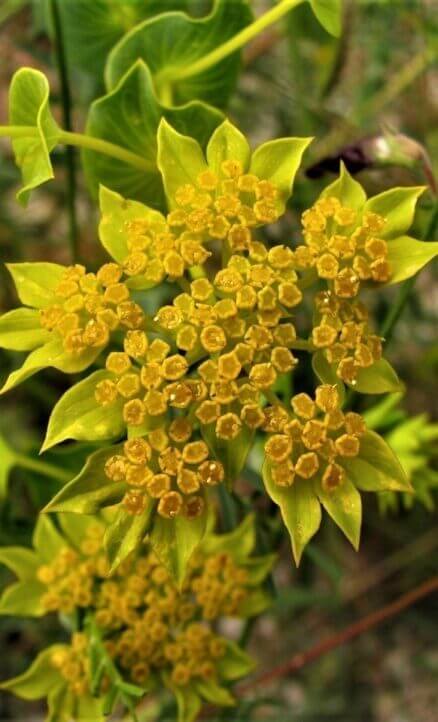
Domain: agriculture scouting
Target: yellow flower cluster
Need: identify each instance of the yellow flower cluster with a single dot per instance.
(170, 466)
(147, 624)
(343, 247)
(222, 206)
(236, 321)
(314, 440)
(342, 331)
(89, 306)
(70, 576)
(72, 663)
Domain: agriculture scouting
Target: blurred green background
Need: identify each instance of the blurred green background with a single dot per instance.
(370, 98)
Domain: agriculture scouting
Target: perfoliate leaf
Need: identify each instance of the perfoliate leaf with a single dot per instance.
(407, 256)
(232, 454)
(397, 206)
(239, 542)
(51, 354)
(91, 29)
(129, 116)
(345, 508)
(175, 540)
(329, 14)
(36, 282)
(116, 212)
(91, 490)
(40, 679)
(235, 663)
(77, 415)
(23, 599)
(126, 533)
(348, 191)
(180, 159)
(23, 562)
(376, 468)
(278, 161)
(214, 693)
(227, 143)
(380, 378)
(29, 106)
(300, 509)
(21, 330)
(173, 42)
(47, 540)
(7, 463)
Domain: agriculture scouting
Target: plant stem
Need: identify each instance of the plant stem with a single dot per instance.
(103, 146)
(397, 307)
(82, 141)
(354, 630)
(42, 467)
(233, 44)
(66, 112)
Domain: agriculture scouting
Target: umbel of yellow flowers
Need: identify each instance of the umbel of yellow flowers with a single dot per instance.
(188, 387)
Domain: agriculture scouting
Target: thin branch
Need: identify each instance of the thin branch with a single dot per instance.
(354, 630)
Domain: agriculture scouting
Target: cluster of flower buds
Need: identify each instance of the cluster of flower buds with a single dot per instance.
(343, 247)
(314, 440)
(73, 664)
(89, 306)
(171, 466)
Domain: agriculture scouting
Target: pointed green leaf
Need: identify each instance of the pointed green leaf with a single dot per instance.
(23, 562)
(175, 540)
(36, 282)
(214, 693)
(300, 509)
(239, 542)
(90, 490)
(348, 191)
(129, 117)
(227, 143)
(39, 680)
(407, 256)
(23, 599)
(173, 42)
(126, 533)
(278, 161)
(29, 107)
(376, 468)
(235, 663)
(7, 463)
(47, 540)
(60, 703)
(188, 701)
(116, 212)
(329, 14)
(380, 378)
(180, 159)
(345, 508)
(77, 415)
(258, 568)
(254, 604)
(397, 206)
(21, 330)
(51, 354)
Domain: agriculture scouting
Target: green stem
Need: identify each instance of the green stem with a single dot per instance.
(66, 111)
(231, 45)
(82, 141)
(398, 306)
(42, 467)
